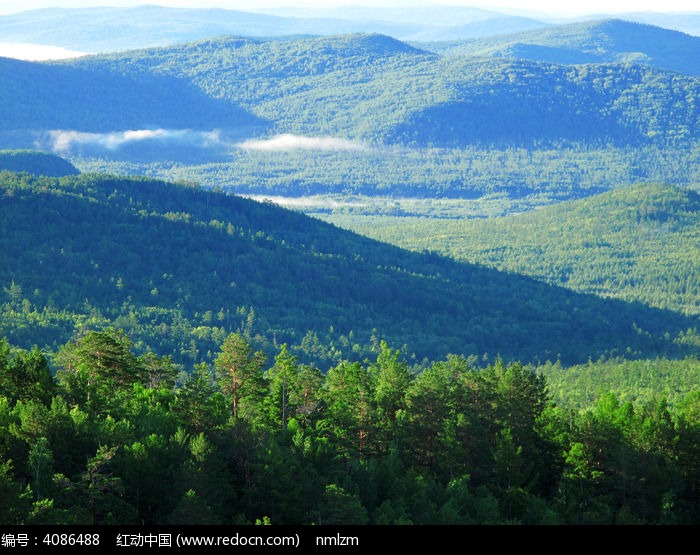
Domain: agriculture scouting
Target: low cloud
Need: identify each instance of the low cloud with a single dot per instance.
(36, 52)
(287, 142)
(65, 141)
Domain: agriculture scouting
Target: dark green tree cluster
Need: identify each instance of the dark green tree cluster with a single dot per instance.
(116, 438)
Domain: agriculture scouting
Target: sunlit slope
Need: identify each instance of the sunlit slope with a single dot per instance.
(638, 243)
(604, 41)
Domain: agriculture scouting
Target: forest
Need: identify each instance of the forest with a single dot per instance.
(204, 416)
(636, 243)
(479, 306)
(178, 267)
(116, 438)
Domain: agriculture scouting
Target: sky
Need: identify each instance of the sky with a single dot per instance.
(553, 7)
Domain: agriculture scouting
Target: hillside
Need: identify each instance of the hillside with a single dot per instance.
(367, 114)
(603, 41)
(360, 113)
(40, 101)
(637, 243)
(337, 86)
(177, 267)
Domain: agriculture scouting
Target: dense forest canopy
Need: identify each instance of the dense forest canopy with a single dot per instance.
(178, 267)
(336, 86)
(367, 114)
(37, 163)
(116, 438)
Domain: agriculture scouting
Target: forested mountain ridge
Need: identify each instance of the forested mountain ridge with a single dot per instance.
(177, 267)
(600, 41)
(381, 118)
(42, 97)
(336, 86)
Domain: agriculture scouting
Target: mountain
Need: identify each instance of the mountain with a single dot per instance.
(109, 29)
(337, 86)
(178, 267)
(324, 114)
(636, 243)
(605, 41)
(422, 24)
(477, 29)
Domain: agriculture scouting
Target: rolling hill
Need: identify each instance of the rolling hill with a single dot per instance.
(40, 98)
(364, 113)
(178, 267)
(605, 41)
(338, 85)
(366, 87)
(638, 243)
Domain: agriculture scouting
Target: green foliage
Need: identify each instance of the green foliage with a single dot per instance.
(240, 375)
(367, 443)
(96, 369)
(25, 375)
(637, 381)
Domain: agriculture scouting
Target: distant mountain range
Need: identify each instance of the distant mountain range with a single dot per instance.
(102, 30)
(95, 30)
